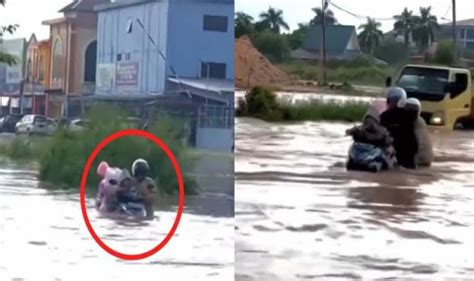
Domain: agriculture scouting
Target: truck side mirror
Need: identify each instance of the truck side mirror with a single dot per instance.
(388, 81)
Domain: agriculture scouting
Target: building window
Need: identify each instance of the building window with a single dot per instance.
(57, 59)
(119, 57)
(127, 56)
(470, 34)
(215, 23)
(461, 33)
(470, 45)
(41, 69)
(213, 70)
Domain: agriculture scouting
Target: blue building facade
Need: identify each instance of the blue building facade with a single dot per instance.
(195, 36)
(196, 39)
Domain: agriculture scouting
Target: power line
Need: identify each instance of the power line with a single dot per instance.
(448, 10)
(360, 17)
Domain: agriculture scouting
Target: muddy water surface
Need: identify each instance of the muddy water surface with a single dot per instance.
(293, 98)
(301, 216)
(43, 235)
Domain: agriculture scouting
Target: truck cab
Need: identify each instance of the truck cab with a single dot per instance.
(445, 93)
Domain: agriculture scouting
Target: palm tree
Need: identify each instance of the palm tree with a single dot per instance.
(425, 26)
(405, 22)
(243, 24)
(371, 35)
(273, 20)
(329, 17)
(2, 2)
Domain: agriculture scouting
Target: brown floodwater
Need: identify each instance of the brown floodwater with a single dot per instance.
(300, 215)
(43, 236)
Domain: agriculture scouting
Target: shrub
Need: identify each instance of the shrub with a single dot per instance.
(261, 101)
(445, 54)
(67, 152)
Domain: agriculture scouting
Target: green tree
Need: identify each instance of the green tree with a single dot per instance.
(425, 26)
(272, 45)
(273, 20)
(445, 53)
(405, 23)
(4, 57)
(243, 24)
(391, 51)
(329, 17)
(371, 35)
(296, 38)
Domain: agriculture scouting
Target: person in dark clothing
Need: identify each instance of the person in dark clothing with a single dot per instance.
(401, 125)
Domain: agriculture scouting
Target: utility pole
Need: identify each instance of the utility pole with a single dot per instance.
(323, 68)
(454, 31)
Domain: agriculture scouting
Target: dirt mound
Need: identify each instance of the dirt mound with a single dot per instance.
(254, 69)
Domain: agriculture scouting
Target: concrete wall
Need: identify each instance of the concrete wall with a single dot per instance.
(189, 44)
(215, 139)
(113, 39)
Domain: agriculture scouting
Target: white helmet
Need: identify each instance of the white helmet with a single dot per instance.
(140, 167)
(396, 94)
(413, 103)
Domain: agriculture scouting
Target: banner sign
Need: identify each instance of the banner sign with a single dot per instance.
(127, 74)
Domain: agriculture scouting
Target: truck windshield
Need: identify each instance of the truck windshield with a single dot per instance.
(424, 80)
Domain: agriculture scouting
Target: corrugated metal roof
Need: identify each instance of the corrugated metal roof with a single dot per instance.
(212, 85)
(83, 5)
(466, 22)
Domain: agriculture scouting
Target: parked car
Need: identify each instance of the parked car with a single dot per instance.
(76, 125)
(9, 122)
(52, 125)
(33, 124)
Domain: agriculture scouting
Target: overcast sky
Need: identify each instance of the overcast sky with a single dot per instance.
(299, 11)
(30, 13)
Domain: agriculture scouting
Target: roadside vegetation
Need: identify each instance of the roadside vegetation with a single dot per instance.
(262, 103)
(360, 71)
(63, 156)
(383, 54)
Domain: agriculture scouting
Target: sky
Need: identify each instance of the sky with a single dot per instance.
(299, 11)
(30, 13)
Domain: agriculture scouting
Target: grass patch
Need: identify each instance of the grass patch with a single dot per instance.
(262, 103)
(327, 111)
(62, 157)
(24, 148)
(337, 72)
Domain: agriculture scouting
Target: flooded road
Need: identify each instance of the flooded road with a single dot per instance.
(43, 235)
(301, 216)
